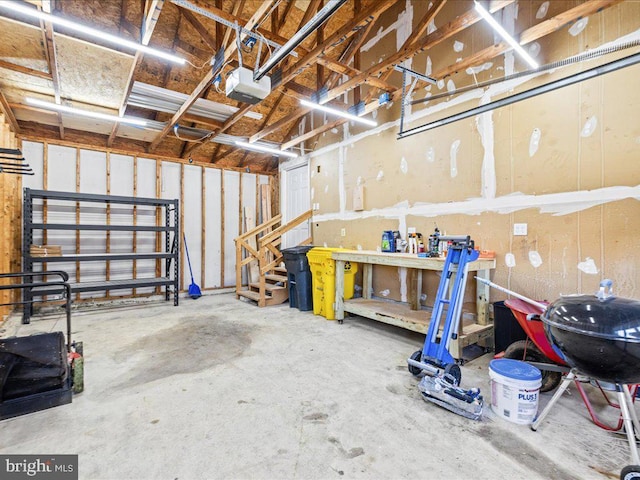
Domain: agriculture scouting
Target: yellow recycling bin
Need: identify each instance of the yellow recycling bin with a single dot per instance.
(323, 280)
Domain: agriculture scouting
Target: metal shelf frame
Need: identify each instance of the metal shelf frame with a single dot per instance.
(170, 230)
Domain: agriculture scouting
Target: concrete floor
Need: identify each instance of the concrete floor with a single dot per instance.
(218, 388)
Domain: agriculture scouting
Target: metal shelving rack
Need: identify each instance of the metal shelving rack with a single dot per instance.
(170, 253)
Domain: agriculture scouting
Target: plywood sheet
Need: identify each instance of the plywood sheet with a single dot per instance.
(213, 233)
(22, 45)
(91, 74)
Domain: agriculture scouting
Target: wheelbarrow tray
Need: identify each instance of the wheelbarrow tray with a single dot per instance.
(534, 328)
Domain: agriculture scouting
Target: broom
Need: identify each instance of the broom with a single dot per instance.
(194, 290)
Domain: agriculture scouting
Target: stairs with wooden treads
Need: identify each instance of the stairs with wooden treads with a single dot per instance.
(258, 251)
(276, 288)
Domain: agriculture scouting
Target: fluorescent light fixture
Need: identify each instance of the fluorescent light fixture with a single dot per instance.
(86, 113)
(260, 147)
(340, 113)
(503, 33)
(19, 7)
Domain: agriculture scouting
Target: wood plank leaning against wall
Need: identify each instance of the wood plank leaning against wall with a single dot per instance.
(10, 220)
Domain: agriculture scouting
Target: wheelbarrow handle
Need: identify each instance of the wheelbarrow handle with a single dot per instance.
(541, 306)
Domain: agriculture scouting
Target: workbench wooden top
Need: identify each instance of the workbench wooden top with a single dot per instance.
(407, 260)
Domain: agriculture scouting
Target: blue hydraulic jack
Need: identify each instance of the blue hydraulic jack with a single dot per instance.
(441, 384)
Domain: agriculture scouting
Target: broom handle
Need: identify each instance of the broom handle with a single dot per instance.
(541, 306)
(186, 249)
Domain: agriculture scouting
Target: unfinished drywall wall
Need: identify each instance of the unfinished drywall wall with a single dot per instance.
(209, 218)
(564, 163)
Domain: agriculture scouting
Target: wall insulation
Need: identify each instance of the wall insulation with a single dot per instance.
(210, 213)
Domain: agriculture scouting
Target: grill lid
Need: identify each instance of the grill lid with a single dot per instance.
(601, 315)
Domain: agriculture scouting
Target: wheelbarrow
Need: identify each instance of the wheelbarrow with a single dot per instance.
(538, 351)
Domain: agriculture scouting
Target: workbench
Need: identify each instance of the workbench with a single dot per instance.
(409, 315)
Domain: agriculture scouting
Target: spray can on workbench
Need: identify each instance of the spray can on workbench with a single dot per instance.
(388, 241)
(434, 241)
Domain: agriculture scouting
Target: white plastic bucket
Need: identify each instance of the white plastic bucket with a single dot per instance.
(515, 387)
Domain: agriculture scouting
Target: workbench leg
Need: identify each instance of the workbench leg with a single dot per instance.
(482, 298)
(339, 302)
(367, 280)
(414, 288)
(482, 307)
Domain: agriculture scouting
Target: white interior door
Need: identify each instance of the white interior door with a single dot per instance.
(296, 202)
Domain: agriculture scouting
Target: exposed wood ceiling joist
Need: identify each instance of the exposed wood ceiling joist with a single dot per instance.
(313, 6)
(230, 50)
(428, 41)
(152, 9)
(529, 35)
(333, 60)
(8, 113)
(351, 49)
(209, 39)
(534, 33)
(26, 70)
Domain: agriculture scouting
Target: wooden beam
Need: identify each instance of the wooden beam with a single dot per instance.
(198, 27)
(225, 126)
(418, 31)
(219, 43)
(350, 52)
(310, 134)
(285, 15)
(347, 54)
(352, 71)
(209, 122)
(150, 19)
(353, 46)
(274, 19)
(8, 113)
(562, 19)
(235, 18)
(357, 8)
(189, 48)
(238, 6)
(368, 108)
(52, 61)
(319, 66)
(341, 35)
(311, 10)
(130, 28)
(152, 13)
(529, 35)
(25, 70)
(428, 41)
(266, 120)
(206, 80)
